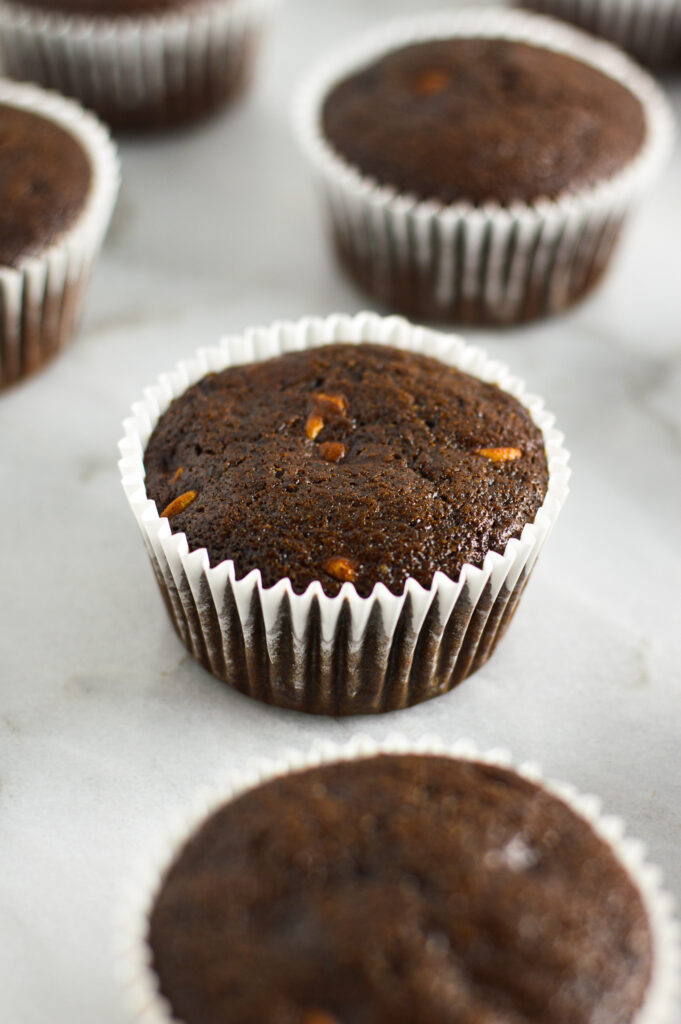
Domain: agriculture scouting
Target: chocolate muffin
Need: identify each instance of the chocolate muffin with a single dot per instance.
(469, 110)
(45, 180)
(478, 166)
(394, 890)
(347, 463)
(342, 528)
(58, 183)
(190, 57)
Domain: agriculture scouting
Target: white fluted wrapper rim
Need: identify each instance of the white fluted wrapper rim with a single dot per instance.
(132, 955)
(257, 344)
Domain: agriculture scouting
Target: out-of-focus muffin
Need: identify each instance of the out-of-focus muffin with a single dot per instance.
(138, 63)
(58, 184)
(478, 166)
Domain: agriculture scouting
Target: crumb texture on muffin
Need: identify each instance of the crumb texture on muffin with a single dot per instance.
(483, 120)
(45, 179)
(399, 890)
(347, 464)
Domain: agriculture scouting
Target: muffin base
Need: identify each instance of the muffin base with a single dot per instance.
(346, 654)
(179, 109)
(386, 675)
(410, 288)
(154, 72)
(31, 339)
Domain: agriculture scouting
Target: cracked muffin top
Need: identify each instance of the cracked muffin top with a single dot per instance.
(45, 179)
(483, 120)
(347, 463)
(396, 889)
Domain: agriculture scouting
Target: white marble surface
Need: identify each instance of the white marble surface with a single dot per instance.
(107, 725)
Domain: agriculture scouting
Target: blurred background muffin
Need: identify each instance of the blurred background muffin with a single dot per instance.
(138, 63)
(649, 29)
(478, 166)
(59, 177)
(399, 883)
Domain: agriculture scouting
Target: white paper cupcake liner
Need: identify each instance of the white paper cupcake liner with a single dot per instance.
(132, 955)
(345, 654)
(137, 72)
(41, 299)
(487, 263)
(649, 29)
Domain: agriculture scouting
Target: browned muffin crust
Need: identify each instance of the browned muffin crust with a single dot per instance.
(478, 120)
(45, 178)
(399, 890)
(347, 463)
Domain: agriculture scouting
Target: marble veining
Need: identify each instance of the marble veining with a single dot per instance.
(107, 725)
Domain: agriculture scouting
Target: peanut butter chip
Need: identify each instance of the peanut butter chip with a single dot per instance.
(432, 81)
(341, 568)
(500, 454)
(338, 401)
(333, 451)
(178, 505)
(314, 425)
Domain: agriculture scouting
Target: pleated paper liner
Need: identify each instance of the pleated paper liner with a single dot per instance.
(145, 71)
(346, 654)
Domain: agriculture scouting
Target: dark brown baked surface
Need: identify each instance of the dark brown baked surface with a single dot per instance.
(110, 8)
(399, 890)
(478, 120)
(45, 178)
(347, 463)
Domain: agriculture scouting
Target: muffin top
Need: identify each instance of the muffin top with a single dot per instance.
(358, 463)
(399, 890)
(45, 178)
(483, 119)
(110, 8)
